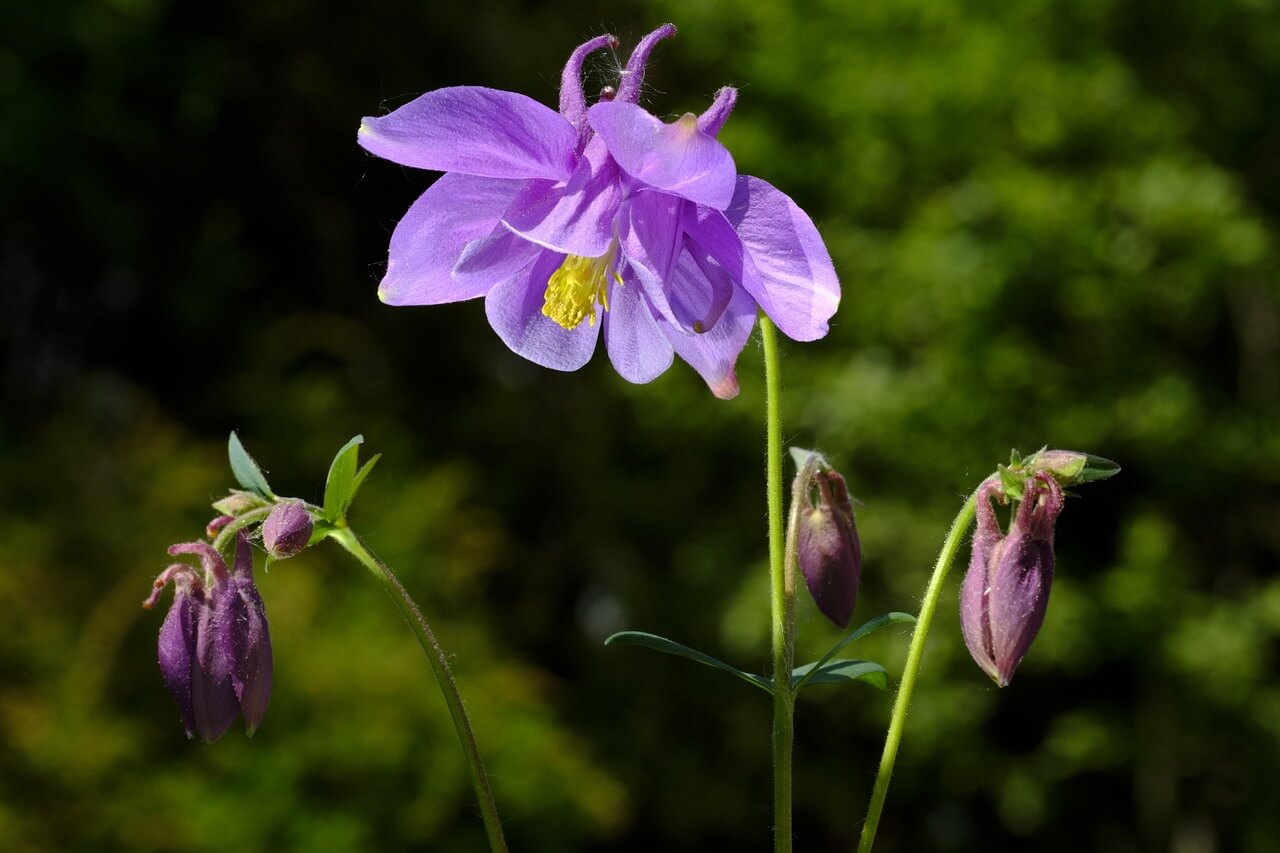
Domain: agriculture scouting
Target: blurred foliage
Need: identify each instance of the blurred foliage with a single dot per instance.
(1055, 224)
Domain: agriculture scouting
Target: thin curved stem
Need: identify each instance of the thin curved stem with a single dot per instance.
(782, 598)
(347, 538)
(914, 656)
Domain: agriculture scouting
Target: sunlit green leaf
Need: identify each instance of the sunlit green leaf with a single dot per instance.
(245, 470)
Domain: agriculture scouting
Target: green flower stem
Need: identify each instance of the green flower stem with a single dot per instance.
(347, 538)
(226, 536)
(914, 655)
(782, 599)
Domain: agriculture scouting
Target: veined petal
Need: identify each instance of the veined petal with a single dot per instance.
(492, 259)
(699, 292)
(640, 352)
(715, 353)
(476, 131)
(650, 235)
(677, 158)
(799, 288)
(514, 309)
(428, 240)
(577, 217)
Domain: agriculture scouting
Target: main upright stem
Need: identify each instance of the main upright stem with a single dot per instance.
(444, 677)
(782, 598)
(914, 655)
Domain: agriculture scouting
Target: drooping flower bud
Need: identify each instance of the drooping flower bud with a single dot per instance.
(214, 647)
(1005, 593)
(826, 540)
(287, 529)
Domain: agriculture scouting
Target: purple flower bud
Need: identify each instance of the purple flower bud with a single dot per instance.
(1006, 591)
(827, 544)
(214, 648)
(287, 529)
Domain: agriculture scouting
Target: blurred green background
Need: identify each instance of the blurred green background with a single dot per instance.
(1055, 223)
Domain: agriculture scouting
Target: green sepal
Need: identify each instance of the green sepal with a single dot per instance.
(245, 470)
(671, 647)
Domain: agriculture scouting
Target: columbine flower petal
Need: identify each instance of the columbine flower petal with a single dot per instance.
(573, 102)
(714, 353)
(249, 639)
(454, 211)
(475, 131)
(492, 259)
(677, 158)
(514, 308)
(797, 287)
(640, 352)
(575, 218)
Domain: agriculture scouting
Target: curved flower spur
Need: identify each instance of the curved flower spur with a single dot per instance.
(599, 220)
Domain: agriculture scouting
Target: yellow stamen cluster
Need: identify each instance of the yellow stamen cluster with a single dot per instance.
(574, 289)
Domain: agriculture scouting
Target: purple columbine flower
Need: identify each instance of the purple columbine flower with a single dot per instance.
(214, 648)
(601, 213)
(1006, 591)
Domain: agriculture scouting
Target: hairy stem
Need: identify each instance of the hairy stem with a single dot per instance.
(444, 677)
(914, 655)
(782, 599)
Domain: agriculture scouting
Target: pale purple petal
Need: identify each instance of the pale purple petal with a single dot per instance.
(715, 352)
(475, 131)
(711, 121)
(640, 352)
(213, 694)
(700, 289)
(975, 623)
(514, 309)
(709, 235)
(651, 238)
(800, 291)
(176, 651)
(454, 211)
(575, 218)
(492, 259)
(633, 75)
(573, 103)
(252, 670)
(676, 158)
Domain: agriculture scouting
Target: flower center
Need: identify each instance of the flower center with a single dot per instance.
(574, 289)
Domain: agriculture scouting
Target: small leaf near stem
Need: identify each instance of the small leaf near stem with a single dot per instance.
(869, 627)
(245, 470)
(671, 647)
(339, 486)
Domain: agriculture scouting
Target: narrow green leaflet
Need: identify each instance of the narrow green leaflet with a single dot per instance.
(360, 476)
(340, 486)
(670, 647)
(810, 672)
(841, 672)
(245, 470)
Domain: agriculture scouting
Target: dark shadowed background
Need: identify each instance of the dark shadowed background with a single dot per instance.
(1055, 223)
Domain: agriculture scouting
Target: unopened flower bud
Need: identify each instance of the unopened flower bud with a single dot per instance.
(1071, 468)
(287, 529)
(214, 647)
(1006, 591)
(238, 503)
(827, 545)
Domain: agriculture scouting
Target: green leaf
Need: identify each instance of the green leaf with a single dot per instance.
(841, 672)
(245, 470)
(670, 647)
(339, 487)
(1096, 468)
(360, 475)
(869, 627)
